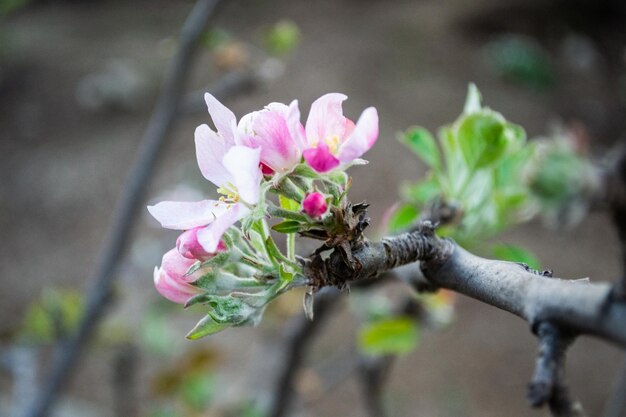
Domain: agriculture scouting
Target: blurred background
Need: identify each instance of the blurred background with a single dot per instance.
(78, 81)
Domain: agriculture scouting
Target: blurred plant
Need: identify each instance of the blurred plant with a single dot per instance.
(8, 6)
(54, 314)
(282, 38)
(521, 60)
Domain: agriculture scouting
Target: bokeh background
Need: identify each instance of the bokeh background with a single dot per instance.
(78, 81)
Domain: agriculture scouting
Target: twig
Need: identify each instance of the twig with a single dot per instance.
(548, 383)
(374, 372)
(616, 406)
(617, 200)
(130, 201)
(125, 381)
(298, 335)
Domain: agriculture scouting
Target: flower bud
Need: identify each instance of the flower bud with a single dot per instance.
(314, 205)
(189, 247)
(170, 280)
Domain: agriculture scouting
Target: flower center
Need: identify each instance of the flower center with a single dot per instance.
(229, 193)
(332, 142)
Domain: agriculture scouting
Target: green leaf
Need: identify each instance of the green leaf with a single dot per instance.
(205, 327)
(514, 253)
(288, 204)
(473, 100)
(277, 255)
(422, 143)
(421, 192)
(402, 218)
(304, 170)
(197, 390)
(288, 226)
(392, 336)
(481, 138)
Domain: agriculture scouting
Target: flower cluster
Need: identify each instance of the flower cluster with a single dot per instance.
(269, 150)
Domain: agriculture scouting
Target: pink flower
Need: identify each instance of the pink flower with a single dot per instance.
(314, 205)
(333, 139)
(170, 280)
(238, 176)
(232, 168)
(188, 246)
(278, 132)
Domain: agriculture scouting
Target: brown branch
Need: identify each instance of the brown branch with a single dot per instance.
(130, 202)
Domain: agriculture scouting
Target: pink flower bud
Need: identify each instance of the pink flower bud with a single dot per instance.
(189, 247)
(170, 280)
(314, 204)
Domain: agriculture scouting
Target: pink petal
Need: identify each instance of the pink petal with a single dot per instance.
(320, 158)
(178, 292)
(210, 151)
(279, 151)
(188, 246)
(223, 119)
(179, 215)
(210, 236)
(243, 165)
(291, 114)
(170, 280)
(362, 138)
(326, 118)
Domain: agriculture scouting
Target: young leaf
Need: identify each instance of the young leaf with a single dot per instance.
(402, 218)
(205, 327)
(389, 336)
(481, 138)
(420, 141)
(514, 253)
(288, 226)
(288, 204)
(473, 100)
(421, 192)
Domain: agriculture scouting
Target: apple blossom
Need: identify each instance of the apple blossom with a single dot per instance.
(333, 139)
(278, 132)
(170, 280)
(188, 245)
(314, 205)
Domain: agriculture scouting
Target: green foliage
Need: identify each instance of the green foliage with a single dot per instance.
(8, 6)
(282, 38)
(215, 37)
(51, 316)
(476, 166)
(196, 391)
(516, 254)
(398, 335)
(422, 143)
(521, 60)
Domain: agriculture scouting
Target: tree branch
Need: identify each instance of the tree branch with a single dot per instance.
(129, 204)
(579, 306)
(548, 383)
(617, 200)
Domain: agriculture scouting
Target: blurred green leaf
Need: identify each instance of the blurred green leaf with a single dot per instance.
(197, 390)
(514, 253)
(288, 203)
(473, 102)
(403, 217)
(8, 6)
(214, 38)
(481, 138)
(392, 336)
(421, 192)
(521, 60)
(422, 143)
(282, 38)
(54, 314)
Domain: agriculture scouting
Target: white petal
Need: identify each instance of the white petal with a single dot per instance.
(210, 151)
(223, 119)
(180, 215)
(243, 165)
(210, 236)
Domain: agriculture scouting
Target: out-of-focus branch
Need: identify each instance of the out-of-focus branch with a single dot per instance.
(129, 204)
(548, 383)
(616, 406)
(297, 339)
(617, 200)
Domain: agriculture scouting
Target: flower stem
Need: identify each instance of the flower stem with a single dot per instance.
(291, 246)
